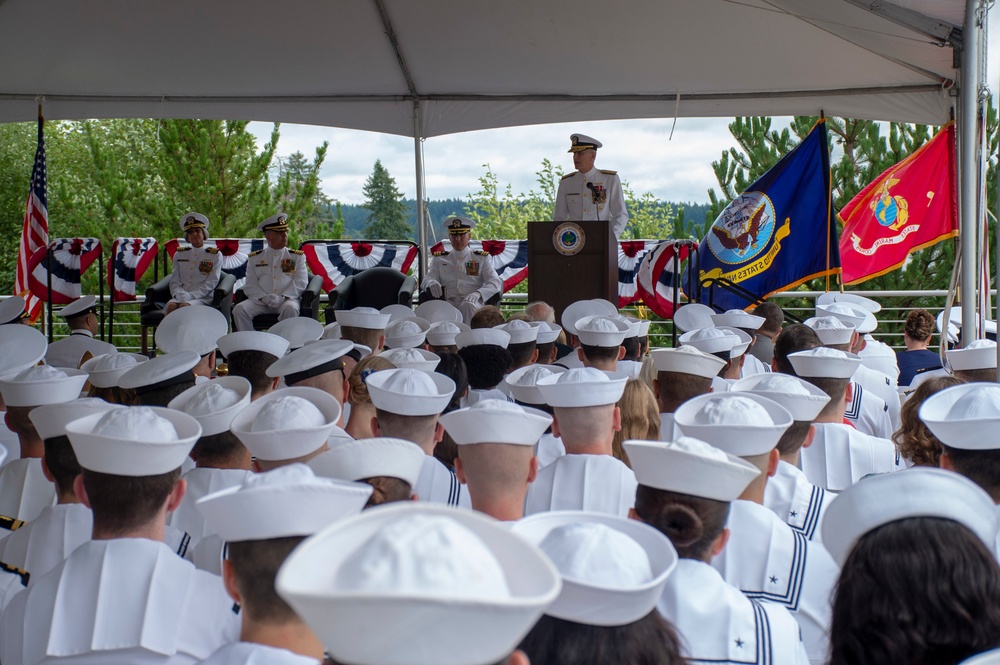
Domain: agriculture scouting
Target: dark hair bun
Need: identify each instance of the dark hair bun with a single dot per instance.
(681, 524)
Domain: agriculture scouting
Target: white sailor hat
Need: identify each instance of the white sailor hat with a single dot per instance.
(523, 382)
(634, 325)
(215, 403)
(419, 359)
(459, 225)
(849, 298)
(311, 360)
(50, 420)
(133, 440)
(161, 371)
(644, 327)
(802, 399)
(298, 330)
(496, 421)
(964, 416)
(521, 332)
(331, 331)
(42, 384)
(191, 329)
(288, 423)
(79, 306)
(20, 348)
(720, 385)
(742, 424)
(12, 310)
(482, 336)
(371, 458)
(438, 310)
(687, 360)
(919, 492)
(824, 363)
(194, 220)
(717, 340)
(106, 369)
(582, 386)
(831, 330)
(368, 318)
(581, 142)
(690, 466)
(547, 332)
(991, 657)
(613, 569)
(737, 318)
(410, 392)
(418, 584)
(277, 222)
(977, 354)
(398, 312)
(580, 310)
(862, 320)
(284, 502)
(693, 316)
(254, 340)
(443, 333)
(406, 333)
(954, 323)
(601, 330)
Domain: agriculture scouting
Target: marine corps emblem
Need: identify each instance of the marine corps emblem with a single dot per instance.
(891, 211)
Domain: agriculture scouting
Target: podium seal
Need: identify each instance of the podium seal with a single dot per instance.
(569, 238)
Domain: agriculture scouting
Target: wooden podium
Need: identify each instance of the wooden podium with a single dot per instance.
(570, 261)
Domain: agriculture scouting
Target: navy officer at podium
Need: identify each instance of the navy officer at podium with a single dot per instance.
(465, 278)
(590, 194)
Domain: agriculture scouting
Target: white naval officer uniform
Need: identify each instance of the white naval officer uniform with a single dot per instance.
(593, 196)
(276, 279)
(195, 275)
(467, 277)
(69, 351)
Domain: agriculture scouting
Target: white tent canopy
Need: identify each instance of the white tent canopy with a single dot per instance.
(475, 64)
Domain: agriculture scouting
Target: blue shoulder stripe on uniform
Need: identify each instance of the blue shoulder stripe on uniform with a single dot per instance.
(765, 649)
(854, 410)
(793, 590)
(183, 548)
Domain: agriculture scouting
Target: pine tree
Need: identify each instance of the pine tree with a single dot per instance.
(383, 200)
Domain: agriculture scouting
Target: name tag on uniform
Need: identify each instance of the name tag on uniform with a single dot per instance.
(287, 265)
(205, 267)
(472, 268)
(262, 264)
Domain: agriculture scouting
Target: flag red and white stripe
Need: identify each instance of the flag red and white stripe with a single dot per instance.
(35, 231)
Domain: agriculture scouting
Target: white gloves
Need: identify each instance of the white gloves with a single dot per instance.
(271, 300)
(434, 288)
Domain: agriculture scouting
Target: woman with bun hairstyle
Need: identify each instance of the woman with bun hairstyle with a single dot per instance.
(685, 489)
(359, 423)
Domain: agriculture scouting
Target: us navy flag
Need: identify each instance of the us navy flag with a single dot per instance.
(777, 234)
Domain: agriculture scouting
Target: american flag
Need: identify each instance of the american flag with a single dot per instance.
(35, 233)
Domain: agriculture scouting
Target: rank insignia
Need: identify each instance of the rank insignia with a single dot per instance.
(472, 268)
(287, 265)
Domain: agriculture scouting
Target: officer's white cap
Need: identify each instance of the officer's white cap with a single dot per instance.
(443, 333)
(687, 360)
(133, 440)
(438, 310)
(601, 330)
(737, 318)
(215, 403)
(284, 502)
(298, 330)
(42, 384)
(831, 330)
(78, 306)
(717, 340)
(482, 336)
(496, 421)
(406, 333)
(277, 222)
(253, 340)
(802, 399)
(581, 142)
(964, 416)
(191, 329)
(161, 371)
(582, 386)
(368, 318)
(419, 359)
(690, 466)
(547, 332)
(311, 360)
(105, 370)
(287, 424)
(11, 309)
(823, 362)
(523, 382)
(371, 458)
(580, 310)
(849, 298)
(613, 569)
(741, 424)
(521, 332)
(693, 316)
(20, 348)
(978, 354)
(398, 312)
(50, 420)
(917, 492)
(194, 220)
(410, 392)
(418, 584)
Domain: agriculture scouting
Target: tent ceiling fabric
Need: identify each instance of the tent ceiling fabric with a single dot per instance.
(474, 65)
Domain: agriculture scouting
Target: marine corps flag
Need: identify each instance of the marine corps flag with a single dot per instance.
(777, 234)
(913, 205)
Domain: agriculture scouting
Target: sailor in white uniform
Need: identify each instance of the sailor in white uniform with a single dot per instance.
(789, 494)
(496, 454)
(484, 351)
(681, 373)
(276, 277)
(153, 606)
(160, 379)
(441, 335)
(391, 466)
(589, 193)
(729, 344)
(81, 317)
(601, 338)
(874, 354)
(977, 361)
(408, 403)
(750, 324)
(690, 484)
(197, 268)
(319, 365)
(765, 558)
(363, 325)
(574, 312)
(586, 416)
(195, 329)
(463, 277)
(13, 310)
(523, 386)
(839, 455)
(262, 520)
(298, 331)
(249, 353)
(409, 333)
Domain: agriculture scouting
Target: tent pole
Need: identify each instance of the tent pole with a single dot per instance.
(418, 158)
(968, 170)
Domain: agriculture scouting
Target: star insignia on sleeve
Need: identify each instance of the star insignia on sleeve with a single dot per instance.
(773, 579)
(793, 514)
(739, 643)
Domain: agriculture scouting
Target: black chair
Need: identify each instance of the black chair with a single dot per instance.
(375, 287)
(308, 304)
(157, 296)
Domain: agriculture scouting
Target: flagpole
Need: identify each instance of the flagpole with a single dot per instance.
(829, 198)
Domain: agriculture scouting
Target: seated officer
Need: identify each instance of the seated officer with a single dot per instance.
(276, 277)
(197, 268)
(461, 276)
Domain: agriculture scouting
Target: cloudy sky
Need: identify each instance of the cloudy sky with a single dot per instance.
(674, 170)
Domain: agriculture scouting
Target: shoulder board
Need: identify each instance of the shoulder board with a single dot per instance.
(259, 251)
(443, 252)
(297, 252)
(212, 250)
(10, 523)
(184, 249)
(23, 574)
(569, 175)
(605, 172)
(480, 252)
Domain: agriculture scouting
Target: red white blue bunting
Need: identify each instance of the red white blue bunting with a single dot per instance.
(658, 278)
(630, 254)
(335, 261)
(70, 259)
(130, 258)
